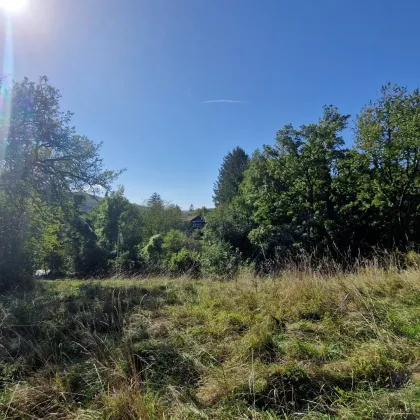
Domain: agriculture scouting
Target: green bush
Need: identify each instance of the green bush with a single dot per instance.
(153, 251)
(185, 262)
(175, 240)
(219, 260)
(91, 260)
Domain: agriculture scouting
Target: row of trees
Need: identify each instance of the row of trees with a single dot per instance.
(47, 171)
(310, 193)
(306, 194)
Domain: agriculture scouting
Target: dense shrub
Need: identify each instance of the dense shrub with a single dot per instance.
(91, 261)
(185, 262)
(153, 251)
(16, 256)
(219, 260)
(175, 240)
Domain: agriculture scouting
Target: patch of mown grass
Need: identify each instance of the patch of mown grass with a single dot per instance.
(295, 346)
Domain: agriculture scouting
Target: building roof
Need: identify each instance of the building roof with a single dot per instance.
(193, 218)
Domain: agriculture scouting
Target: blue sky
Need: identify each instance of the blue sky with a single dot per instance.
(141, 75)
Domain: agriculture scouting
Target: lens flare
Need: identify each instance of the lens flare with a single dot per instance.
(6, 85)
(12, 6)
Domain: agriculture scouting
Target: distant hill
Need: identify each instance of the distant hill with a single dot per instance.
(90, 201)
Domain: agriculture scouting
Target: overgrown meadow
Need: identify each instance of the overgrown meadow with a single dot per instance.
(295, 345)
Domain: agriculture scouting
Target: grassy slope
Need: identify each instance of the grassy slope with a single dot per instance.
(296, 346)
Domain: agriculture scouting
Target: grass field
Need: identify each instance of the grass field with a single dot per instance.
(291, 346)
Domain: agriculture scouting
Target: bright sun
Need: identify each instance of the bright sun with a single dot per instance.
(12, 6)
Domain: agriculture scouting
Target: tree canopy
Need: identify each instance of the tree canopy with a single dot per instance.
(42, 150)
(230, 176)
(43, 163)
(308, 195)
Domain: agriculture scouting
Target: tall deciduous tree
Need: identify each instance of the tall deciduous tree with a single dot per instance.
(230, 176)
(388, 138)
(117, 222)
(290, 185)
(42, 160)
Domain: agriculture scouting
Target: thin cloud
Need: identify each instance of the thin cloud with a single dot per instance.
(224, 101)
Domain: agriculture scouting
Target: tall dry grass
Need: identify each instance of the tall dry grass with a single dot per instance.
(299, 344)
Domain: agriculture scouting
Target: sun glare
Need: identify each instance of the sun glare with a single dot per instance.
(12, 6)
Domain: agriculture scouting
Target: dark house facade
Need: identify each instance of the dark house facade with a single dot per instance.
(197, 222)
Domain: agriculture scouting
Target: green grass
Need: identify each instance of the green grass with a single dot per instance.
(293, 346)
